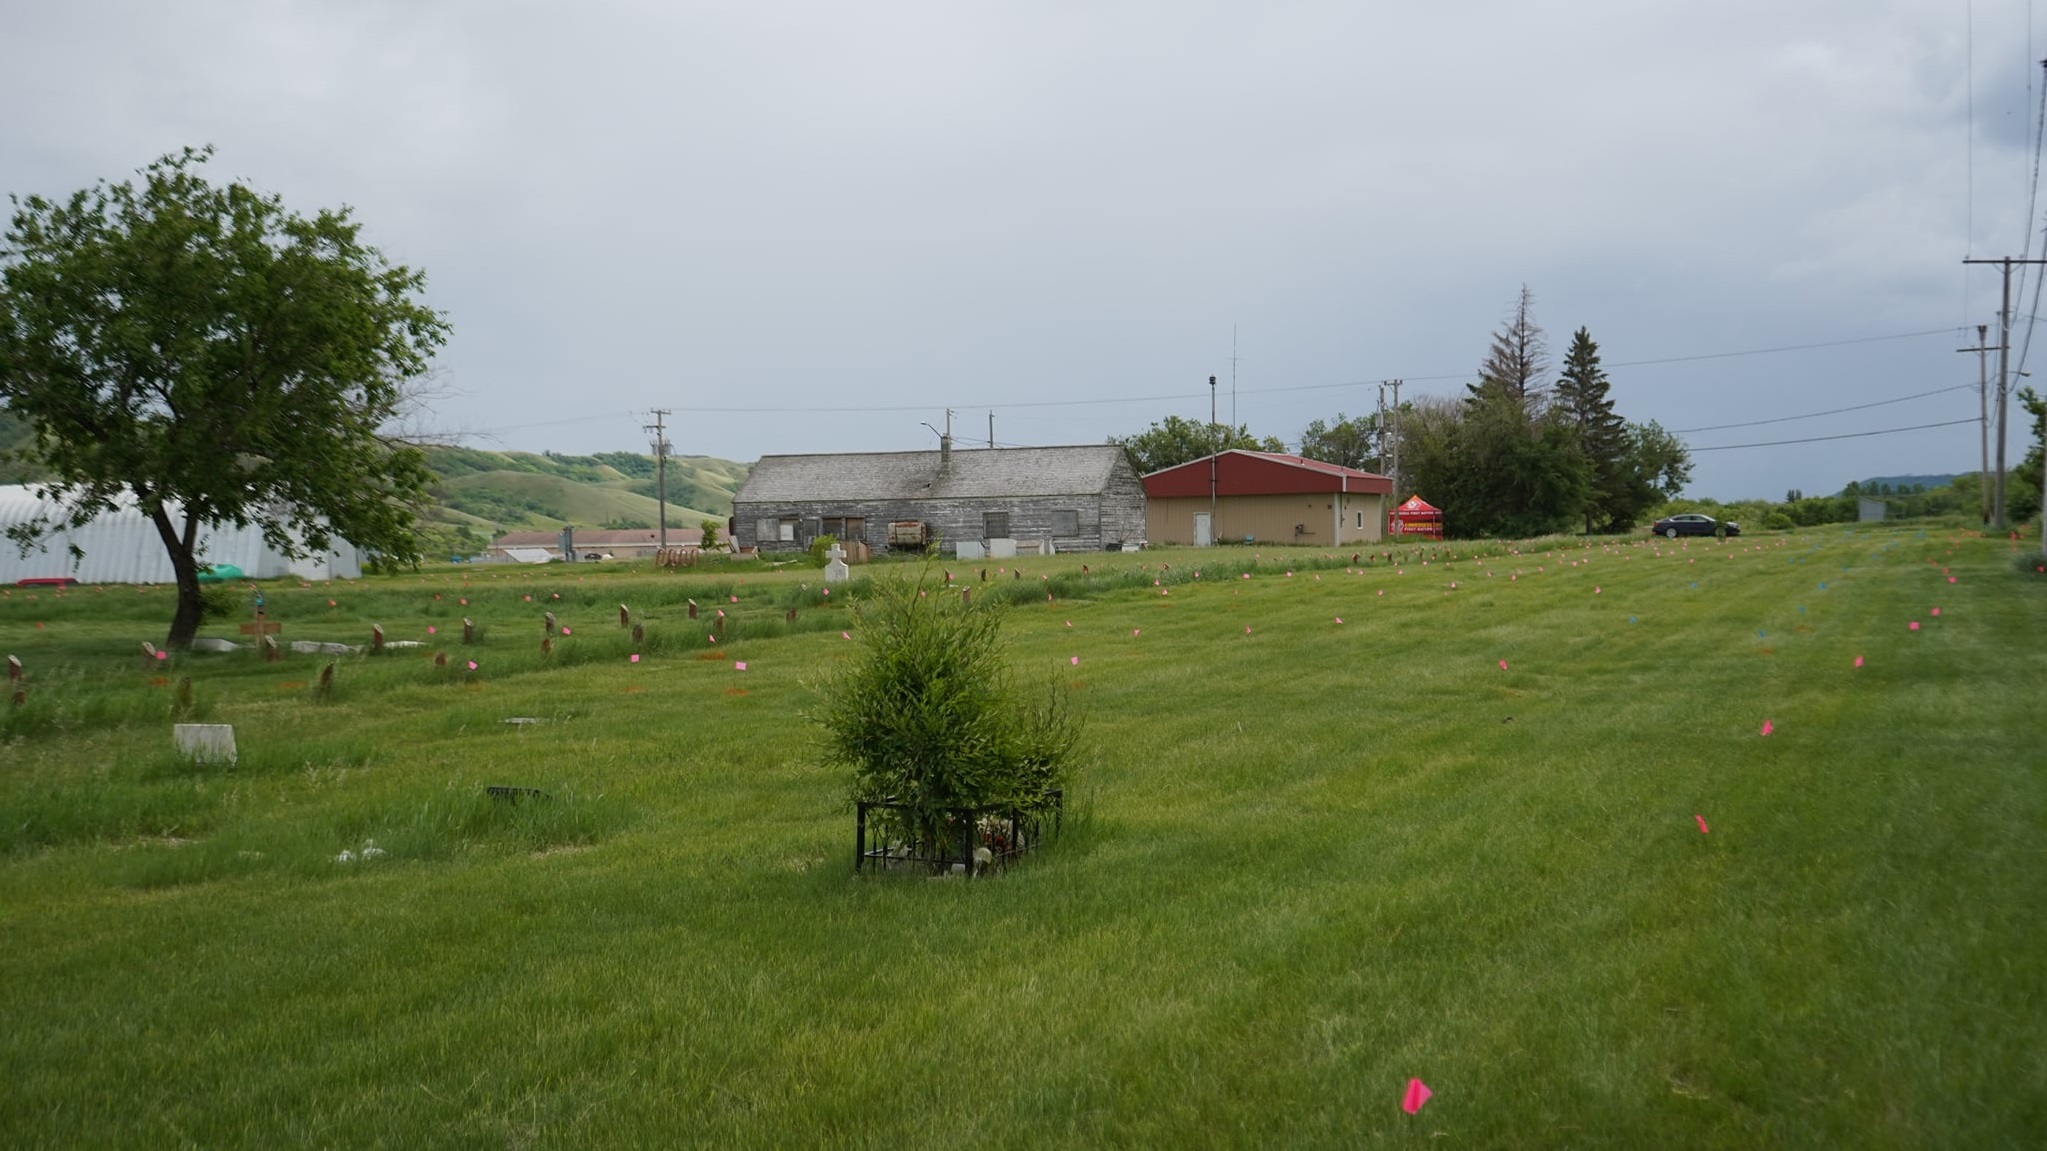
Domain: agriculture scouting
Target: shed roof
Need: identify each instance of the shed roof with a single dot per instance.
(1246, 473)
(980, 473)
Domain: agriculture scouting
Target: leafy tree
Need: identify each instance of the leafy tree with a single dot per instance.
(1352, 442)
(1173, 441)
(1583, 404)
(1518, 359)
(2023, 494)
(1655, 468)
(217, 358)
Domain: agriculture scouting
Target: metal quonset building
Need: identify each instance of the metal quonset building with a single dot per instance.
(1266, 497)
(1083, 498)
(122, 546)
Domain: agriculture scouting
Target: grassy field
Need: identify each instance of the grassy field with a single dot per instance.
(1508, 823)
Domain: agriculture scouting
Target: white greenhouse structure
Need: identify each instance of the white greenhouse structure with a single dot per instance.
(122, 546)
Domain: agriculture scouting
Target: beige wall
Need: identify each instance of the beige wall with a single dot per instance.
(1271, 519)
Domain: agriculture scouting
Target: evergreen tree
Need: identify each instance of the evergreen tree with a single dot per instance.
(1518, 359)
(1582, 404)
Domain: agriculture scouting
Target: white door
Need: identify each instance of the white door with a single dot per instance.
(1203, 535)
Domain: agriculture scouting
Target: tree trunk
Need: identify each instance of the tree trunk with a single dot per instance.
(191, 607)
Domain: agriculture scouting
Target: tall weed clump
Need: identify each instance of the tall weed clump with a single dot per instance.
(929, 717)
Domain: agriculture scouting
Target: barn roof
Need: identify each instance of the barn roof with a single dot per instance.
(980, 473)
(1239, 472)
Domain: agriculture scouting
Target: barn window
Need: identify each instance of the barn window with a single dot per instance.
(995, 525)
(1065, 523)
(764, 530)
(786, 531)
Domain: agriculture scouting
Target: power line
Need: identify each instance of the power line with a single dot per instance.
(1828, 412)
(1783, 348)
(1819, 439)
(1012, 405)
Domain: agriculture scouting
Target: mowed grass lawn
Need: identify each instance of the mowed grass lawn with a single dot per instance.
(1306, 860)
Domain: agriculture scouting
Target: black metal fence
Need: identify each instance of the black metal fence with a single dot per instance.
(963, 841)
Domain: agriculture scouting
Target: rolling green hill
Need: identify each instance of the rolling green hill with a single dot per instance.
(483, 493)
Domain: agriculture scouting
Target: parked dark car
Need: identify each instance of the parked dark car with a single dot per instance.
(1692, 524)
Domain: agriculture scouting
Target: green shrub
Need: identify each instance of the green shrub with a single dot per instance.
(1777, 521)
(820, 548)
(928, 715)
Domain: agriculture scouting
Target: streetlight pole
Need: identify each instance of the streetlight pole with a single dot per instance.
(1214, 449)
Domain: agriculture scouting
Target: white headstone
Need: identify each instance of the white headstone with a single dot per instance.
(205, 742)
(970, 550)
(835, 569)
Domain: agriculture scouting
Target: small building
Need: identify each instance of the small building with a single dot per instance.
(1082, 498)
(618, 543)
(121, 545)
(1265, 497)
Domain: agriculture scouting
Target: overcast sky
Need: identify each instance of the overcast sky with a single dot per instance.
(814, 227)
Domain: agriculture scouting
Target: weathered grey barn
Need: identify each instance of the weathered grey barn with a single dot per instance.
(1085, 498)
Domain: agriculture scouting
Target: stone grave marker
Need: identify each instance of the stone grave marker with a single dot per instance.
(468, 630)
(205, 743)
(326, 685)
(376, 639)
(625, 618)
(692, 609)
(547, 619)
(835, 569)
(14, 667)
(639, 634)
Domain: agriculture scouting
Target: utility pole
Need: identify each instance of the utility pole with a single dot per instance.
(1395, 384)
(991, 427)
(1983, 410)
(1379, 430)
(660, 431)
(2003, 372)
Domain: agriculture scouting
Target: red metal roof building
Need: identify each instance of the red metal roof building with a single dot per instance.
(1264, 497)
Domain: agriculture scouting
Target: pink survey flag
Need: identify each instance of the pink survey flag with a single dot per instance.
(1069, 623)
(1503, 665)
(635, 659)
(472, 665)
(1858, 661)
(845, 635)
(565, 631)
(1595, 589)
(430, 629)
(735, 599)
(1074, 660)
(1339, 619)
(1417, 1094)
(1247, 629)
(1913, 626)
(1133, 632)
(1936, 611)
(1702, 825)
(163, 655)
(1767, 728)
(739, 665)
(1950, 579)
